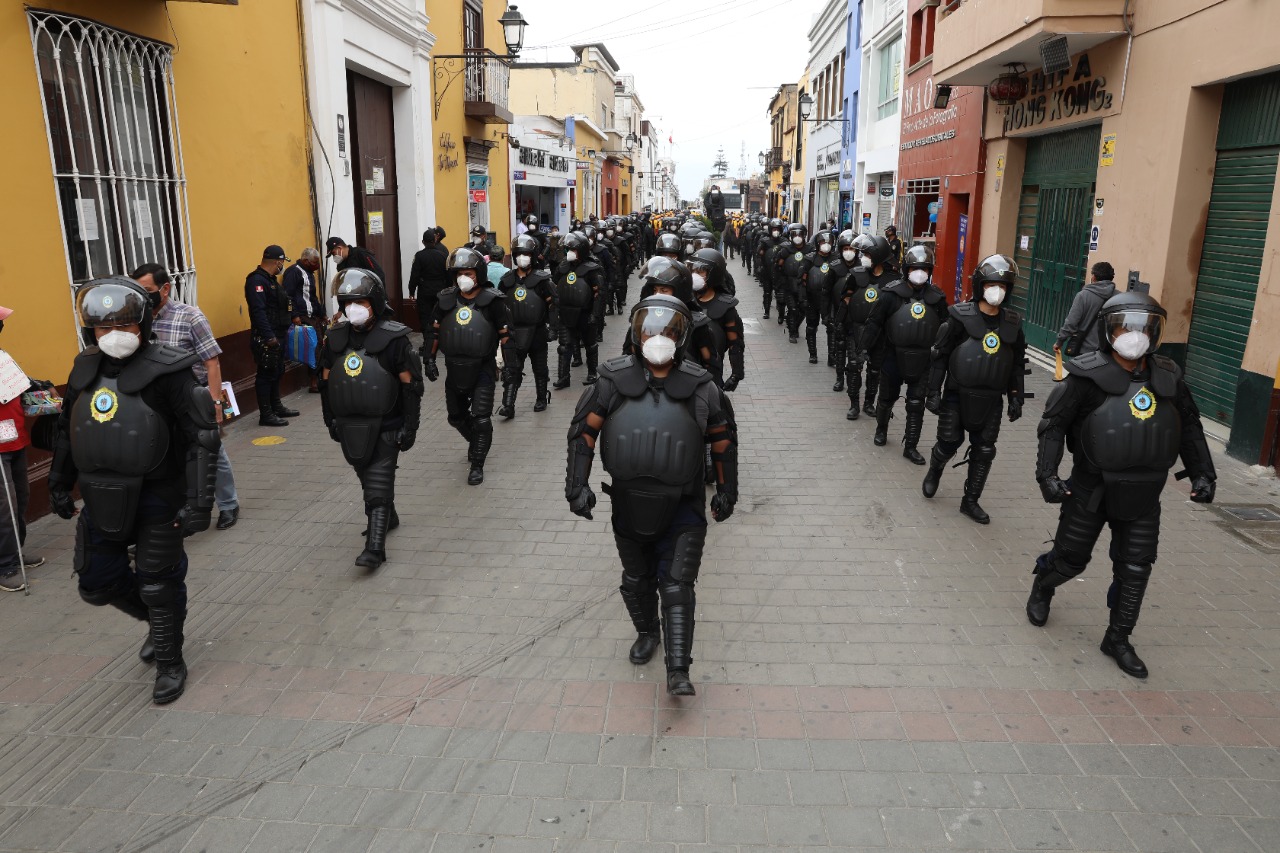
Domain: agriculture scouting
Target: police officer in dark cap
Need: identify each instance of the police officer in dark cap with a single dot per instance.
(468, 324)
(480, 241)
(1127, 415)
(897, 252)
(140, 439)
(270, 316)
(531, 296)
(980, 352)
(908, 314)
(659, 519)
(371, 395)
(355, 257)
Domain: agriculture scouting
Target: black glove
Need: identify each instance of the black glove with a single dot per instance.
(582, 501)
(333, 432)
(405, 438)
(933, 403)
(1015, 410)
(430, 369)
(722, 506)
(552, 334)
(61, 503)
(1054, 489)
(1202, 489)
(193, 520)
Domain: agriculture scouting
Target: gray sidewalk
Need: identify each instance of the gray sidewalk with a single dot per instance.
(867, 678)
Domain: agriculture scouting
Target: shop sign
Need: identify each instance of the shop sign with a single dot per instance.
(519, 176)
(584, 165)
(477, 182)
(1064, 95)
(571, 182)
(479, 196)
(962, 234)
(928, 140)
(1108, 156)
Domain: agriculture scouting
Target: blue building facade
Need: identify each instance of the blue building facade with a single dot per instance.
(852, 82)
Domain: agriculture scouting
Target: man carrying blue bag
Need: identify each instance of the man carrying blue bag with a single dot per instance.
(309, 314)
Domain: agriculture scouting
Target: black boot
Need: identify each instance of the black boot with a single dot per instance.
(831, 348)
(593, 361)
(166, 617)
(869, 404)
(562, 368)
(479, 452)
(375, 543)
(543, 396)
(642, 606)
(811, 338)
(677, 622)
(131, 604)
(508, 408)
(268, 418)
(937, 464)
(911, 435)
(279, 408)
(839, 386)
(979, 469)
(883, 413)
(1130, 588)
(1049, 575)
(766, 311)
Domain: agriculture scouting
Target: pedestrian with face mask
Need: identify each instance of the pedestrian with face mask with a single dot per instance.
(531, 295)
(907, 315)
(371, 398)
(980, 353)
(308, 308)
(270, 315)
(139, 438)
(1126, 414)
(580, 290)
(868, 276)
(659, 519)
(355, 257)
(469, 322)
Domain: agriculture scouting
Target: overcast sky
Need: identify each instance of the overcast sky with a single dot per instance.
(704, 69)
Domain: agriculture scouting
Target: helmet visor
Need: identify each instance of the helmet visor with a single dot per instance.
(1147, 322)
(353, 284)
(110, 304)
(651, 320)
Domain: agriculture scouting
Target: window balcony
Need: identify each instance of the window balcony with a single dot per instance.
(485, 92)
(976, 39)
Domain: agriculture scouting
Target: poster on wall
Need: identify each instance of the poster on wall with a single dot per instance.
(375, 222)
(962, 234)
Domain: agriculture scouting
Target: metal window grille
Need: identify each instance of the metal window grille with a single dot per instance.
(924, 186)
(112, 120)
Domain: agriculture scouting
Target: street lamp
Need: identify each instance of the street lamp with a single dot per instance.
(631, 141)
(761, 158)
(806, 106)
(513, 26)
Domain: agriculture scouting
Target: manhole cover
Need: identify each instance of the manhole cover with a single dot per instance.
(1265, 538)
(1251, 513)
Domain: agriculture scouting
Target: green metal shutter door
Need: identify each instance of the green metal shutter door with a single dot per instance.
(1028, 209)
(1227, 283)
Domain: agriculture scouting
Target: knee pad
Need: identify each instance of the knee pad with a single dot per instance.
(686, 555)
(983, 453)
(914, 405)
(158, 593)
(1131, 572)
(676, 593)
(107, 594)
(159, 546)
(458, 421)
(482, 424)
(1065, 564)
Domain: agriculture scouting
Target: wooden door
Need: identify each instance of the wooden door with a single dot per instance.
(373, 175)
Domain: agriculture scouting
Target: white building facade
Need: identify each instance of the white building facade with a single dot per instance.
(822, 161)
(879, 113)
(542, 173)
(381, 48)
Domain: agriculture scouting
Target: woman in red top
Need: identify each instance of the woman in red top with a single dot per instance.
(14, 491)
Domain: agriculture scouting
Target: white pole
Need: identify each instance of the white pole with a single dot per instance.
(13, 519)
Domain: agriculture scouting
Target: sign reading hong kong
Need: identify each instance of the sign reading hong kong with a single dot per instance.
(1064, 95)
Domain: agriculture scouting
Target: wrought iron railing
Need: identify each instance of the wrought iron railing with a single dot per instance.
(488, 77)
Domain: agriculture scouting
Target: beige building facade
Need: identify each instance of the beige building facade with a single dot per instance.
(1155, 150)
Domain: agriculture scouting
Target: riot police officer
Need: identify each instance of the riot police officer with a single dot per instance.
(791, 268)
(579, 288)
(532, 299)
(858, 300)
(908, 314)
(659, 520)
(468, 324)
(980, 352)
(821, 272)
(765, 271)
(533, 229)
(1127, 415)
(140, 439)
(371, 396)
(721, 308)
(668, 246)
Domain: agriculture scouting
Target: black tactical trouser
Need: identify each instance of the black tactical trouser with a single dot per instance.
(891, 382)
(156, 590)
(270, 363)
(814, 308)
(584, 333)
(666, 569)
(982, 443)
(378, 486)
(470, 411)
(536, 355)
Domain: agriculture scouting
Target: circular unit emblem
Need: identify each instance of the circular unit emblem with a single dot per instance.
(571, 277)
(871, 294)
(520, 294)
(107, 302)
(353, 364)
(826, 267)
(799, 256)
(1143, 404)
(463, 316)
(917, 310)
(991, 343)
(105, 405)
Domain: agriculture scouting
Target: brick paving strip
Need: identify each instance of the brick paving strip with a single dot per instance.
(866, 676)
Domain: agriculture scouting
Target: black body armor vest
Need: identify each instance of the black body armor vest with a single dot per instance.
(573, 293)
(361, 391)
(913, 328)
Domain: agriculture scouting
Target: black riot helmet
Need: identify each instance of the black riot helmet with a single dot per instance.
(846, 240)
(712, 264)
(703, 241)
(531, 221)
(822, 237)
(350, 285)
(465, 258)
(797, 229)
(668, 244)
(523, 244)
(690, 229)
(590, 232)
(666, 273)
(876, 249)
(660, 314)
(918, 258)
(1131, 313)
(576, 241)
(994, 269)
(105, 303)
(775, 224)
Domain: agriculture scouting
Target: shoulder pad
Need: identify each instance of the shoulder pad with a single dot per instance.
(383, 335)
(395, 327)
(167, 356)
(683, 382)
(590, 266)
(729, 301)
(448, 298)
(1010, 323)
(508, 279)
(1165, 374)
(488, 296)
(898, 288)
(338, 337)
(1012, 316)
(538, 276)
(962, 309)
(1101, 371)
(932, 296)
(626, 374)
(85, 368)
(153, 362)
(1089, 361)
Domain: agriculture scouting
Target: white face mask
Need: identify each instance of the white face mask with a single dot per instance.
(658, 350)
(571, 256)
(918, 276)
(1130, 345)
(776, 233)
(867, 263)
(994, 294)
(466, 283)
(849, 255)
(824, 248)
(118, 344)
(608, 233)
(523, 261)
(699, 281)
(357, 314)
(797, 240)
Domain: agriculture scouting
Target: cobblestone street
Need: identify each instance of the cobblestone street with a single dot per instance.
(866, 674)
